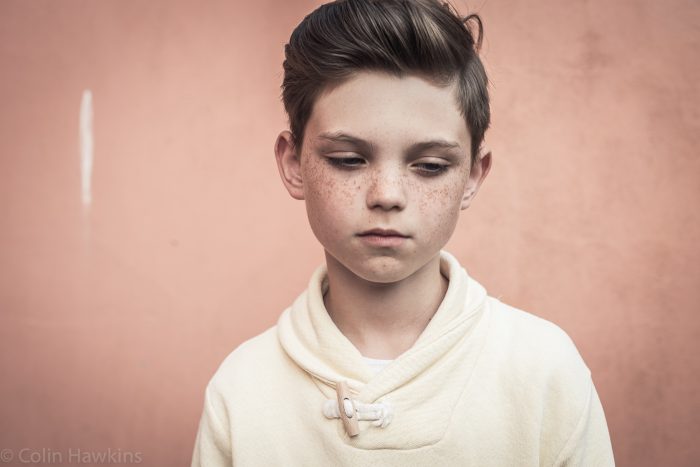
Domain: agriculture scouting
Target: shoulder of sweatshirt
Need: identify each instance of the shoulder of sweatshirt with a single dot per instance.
(536, 353)
(243, 379)
(254, 363)
(537, 365)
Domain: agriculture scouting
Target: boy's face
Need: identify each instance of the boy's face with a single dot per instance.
(382, 152)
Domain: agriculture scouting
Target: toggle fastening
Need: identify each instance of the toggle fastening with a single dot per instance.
(348, 414)
(351, 410)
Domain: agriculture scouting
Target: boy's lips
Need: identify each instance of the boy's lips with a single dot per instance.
(383, 233)
(383, 238)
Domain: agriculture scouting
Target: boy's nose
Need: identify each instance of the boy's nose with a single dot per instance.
(386, 190)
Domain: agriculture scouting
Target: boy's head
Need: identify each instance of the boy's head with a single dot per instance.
(387, 102)
(399, 37)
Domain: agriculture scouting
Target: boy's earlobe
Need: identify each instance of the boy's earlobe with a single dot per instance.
(289, 164)
(477, 174)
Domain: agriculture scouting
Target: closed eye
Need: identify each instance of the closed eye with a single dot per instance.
(431, 169)
(345, 162)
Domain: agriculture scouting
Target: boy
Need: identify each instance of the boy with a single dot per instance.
(394, 355)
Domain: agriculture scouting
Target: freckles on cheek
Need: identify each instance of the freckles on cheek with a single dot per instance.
(346, 191)
(327, 189)
(436, 200)
(314, 177)
(441, 206)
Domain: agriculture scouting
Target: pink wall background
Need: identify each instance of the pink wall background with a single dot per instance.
(114, 315)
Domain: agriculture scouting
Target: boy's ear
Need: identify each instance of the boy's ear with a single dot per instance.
(289, 164)
(477, 174)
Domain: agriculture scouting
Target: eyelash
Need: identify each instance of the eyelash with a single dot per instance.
(341, 163)
(436, 169)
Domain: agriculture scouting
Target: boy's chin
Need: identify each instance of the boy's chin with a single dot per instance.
(383, 277)
(378, 270)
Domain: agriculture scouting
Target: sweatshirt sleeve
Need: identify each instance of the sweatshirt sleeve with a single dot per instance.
(589, 444)
(212, 446)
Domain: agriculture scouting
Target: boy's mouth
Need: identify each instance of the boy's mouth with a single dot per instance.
(383, 238)
(383, 233)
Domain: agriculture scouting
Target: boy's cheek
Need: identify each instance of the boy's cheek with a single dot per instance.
(435, 198)
(314, 177)
(322, 185)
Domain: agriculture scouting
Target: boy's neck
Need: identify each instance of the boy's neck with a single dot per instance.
(383, 320)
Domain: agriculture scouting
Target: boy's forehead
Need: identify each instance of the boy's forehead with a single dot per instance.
(380, 107)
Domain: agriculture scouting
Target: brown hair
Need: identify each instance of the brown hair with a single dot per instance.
(401, 37)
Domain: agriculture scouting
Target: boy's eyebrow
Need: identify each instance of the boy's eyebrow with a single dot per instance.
(340, 137)
(434, 144)
(438, 143)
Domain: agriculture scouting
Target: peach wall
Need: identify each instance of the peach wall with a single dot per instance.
(114, 314)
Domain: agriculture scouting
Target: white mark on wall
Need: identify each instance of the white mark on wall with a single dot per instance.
(86, 147)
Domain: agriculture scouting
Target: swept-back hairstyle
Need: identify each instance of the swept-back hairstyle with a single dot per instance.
(400, 37)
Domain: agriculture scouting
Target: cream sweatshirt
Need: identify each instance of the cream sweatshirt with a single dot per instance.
(485, 384)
